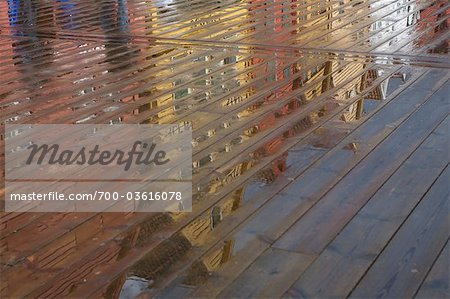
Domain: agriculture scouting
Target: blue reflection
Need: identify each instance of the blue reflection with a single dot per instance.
(69, 11)
(118, 23)
(21, 13)
(23, 19)
(122, 15)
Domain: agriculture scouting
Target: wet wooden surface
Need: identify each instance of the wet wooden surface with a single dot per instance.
(345, 250)
(320, 133)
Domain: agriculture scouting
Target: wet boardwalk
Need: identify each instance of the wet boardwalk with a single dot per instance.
(320, 139)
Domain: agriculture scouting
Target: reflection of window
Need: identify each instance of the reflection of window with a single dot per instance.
(314, 71)
(349, 94)
(298, 82)
(180, 127)
(181, 93)
(412, 19)
(230, 59)
(216, 216)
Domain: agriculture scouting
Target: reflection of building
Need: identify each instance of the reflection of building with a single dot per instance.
(6, 48)
(27, 15)
(292, 87)
(199, 271)
(156, 263)
(380, 91)
(434, 14)
(349, 79)
(69, 9)
(350, 89)
(197, 231)
(303, 86)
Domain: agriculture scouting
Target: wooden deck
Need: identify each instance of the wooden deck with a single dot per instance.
(321, 146)
(367, 220)
(357, 214)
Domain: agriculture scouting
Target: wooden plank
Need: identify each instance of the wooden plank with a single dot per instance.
(86, 112)
(340, 266)
(254, 195)
(61, 255)
(436, 284)
(412, 250)
(65, 283)
(30, 244)
(292, 141)
(390, 24)
(177, 292)
(11, 222)
(32, 238)
(261, 229)
(313, 231)
(269, 276)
